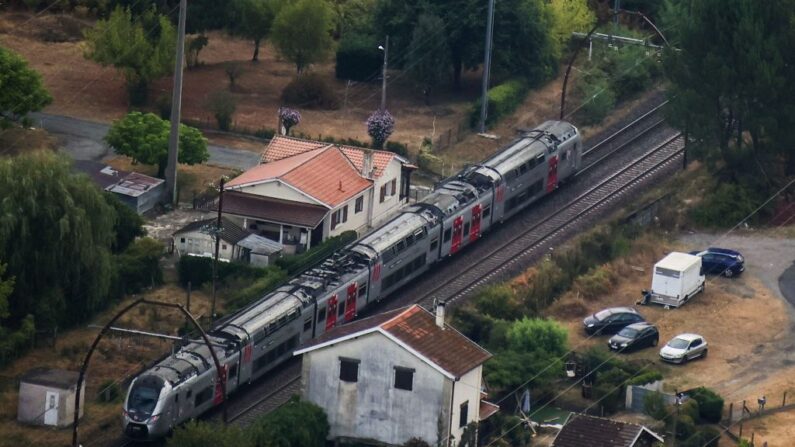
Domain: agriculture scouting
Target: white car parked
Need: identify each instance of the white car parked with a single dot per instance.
(684, 347)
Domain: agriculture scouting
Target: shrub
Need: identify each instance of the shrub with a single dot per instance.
(503, 100)
(685, 427)
(358, 58)
(298, 263)
(647, 377)
(163, 105)
(594, 283)
(244, 295)
(109, 391)
(498, 301)
(265, 133)
(234, 70)
(310, 91)
(380, 126)
(429, 162)
(654, 405)
(597, 97)
(726, 203)
(398, 148)
(193, 47)
(139, 265)
(222, 105)
(703, 437)
(198, 270)
(710, 404)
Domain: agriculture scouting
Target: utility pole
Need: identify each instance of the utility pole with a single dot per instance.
(484, 102)
(383, 74)
(616, 8)
(176, 109)
(218, 229)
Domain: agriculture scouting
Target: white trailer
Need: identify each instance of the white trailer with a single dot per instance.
(676, 278)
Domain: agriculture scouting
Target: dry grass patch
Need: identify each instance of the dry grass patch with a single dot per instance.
(17, 140)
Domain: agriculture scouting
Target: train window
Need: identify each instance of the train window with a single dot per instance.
(466, 228)
(362, 290)
(434, 243)
(349, 369)
(419, 234)
(203, 396)
(447, 234)
(409, 240)
(539, 159)
(404, 378)
(486, 212)
(341, 309)
(523, 169)
(564, 155)
(400, 246)
(321, 315)
(189, 394)
(176, 397)
(308, 324)
(233, 371)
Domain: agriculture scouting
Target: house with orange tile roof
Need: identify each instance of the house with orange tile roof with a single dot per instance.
(306, 191)
(395, 376)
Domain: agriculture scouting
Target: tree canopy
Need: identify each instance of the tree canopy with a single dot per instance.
(56, 231)
(301, 32)
(731, 82)
(569, 16)
(252, 19)
(142, 48)
(429, 72)
(21, 89)
(144, 138)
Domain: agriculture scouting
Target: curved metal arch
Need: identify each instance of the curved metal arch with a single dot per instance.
(220, 374)
(587, 37)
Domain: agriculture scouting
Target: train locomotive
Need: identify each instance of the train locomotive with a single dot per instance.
(261, 336)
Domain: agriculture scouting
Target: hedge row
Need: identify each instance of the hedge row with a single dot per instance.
(198, 270)
(298, 263)
(503, 100)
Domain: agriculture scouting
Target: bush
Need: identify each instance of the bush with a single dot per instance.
(138, 266)
(358, 58)
(503, 100)
(109, 392)
(310, 91)
(298, 263)
(265, 133)
(597, 98)
(222, 105)
(429, 162)
(244, 295)
(198, 270)
(710, 404)
(498, 301)
(726, 203)
(654, 405)
(398, 148)
(647, 377)
(594, 283)
(703, 437)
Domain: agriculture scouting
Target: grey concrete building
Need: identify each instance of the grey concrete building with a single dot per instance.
(47, 397)
(386, 379)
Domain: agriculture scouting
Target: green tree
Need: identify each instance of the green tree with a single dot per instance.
(21, 89)
(731, 82)
(56, 232)
(252, 19)
(301, 32)
(142, 49)
(522, 43)
(144, 138)
(429, 72)
(128, 226)
(530, 346)
(353, 16)
(295, 424)
(569, 16)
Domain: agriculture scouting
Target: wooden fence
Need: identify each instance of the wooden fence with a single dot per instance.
(738, 413)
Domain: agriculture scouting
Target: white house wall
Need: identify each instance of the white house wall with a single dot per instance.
(381, 211)
(199, 243)
(467, 389)
(278, 190)
(356, 221)
(373, 408)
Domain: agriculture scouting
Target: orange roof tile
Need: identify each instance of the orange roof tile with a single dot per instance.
(324, 174)
(282, 147)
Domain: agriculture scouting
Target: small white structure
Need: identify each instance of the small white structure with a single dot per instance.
(395, 376)
(676, 278)
(47, 397)
(237, 244)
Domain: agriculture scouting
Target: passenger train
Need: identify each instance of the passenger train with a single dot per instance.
(257, 339)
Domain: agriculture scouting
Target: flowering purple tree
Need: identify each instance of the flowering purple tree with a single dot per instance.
(290, 117)
(380, 126)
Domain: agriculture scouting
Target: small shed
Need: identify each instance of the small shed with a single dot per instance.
(47, 397)
(259, 251)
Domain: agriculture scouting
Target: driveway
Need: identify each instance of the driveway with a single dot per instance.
(83, 140)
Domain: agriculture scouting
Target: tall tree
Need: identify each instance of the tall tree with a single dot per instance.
(430, 72)
(569, 16)
(302, 32)
(731, 80)
(21, 89)
(56, 230)
(252, 19)
(142, 48)
(144, 138)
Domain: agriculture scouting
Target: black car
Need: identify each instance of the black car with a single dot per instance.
(721, 261)
(634, 336)
(612, 320)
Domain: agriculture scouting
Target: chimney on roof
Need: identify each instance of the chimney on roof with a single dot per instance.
(440, 314)
(367, 164)
(341, 186)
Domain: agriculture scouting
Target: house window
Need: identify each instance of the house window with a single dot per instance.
(393, 187)
(359, 205)
(463, 415)
(223, 246)
(345, 214)
(182, 239)
(404, 378)
(349, 369)
(339, 216)
(382, 194)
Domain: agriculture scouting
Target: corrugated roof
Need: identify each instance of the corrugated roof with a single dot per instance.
(135, 184)
(260, 245)
(588, 431)
(323, 174)
(273, 210)
(283, 147)
(415, 327)
(100, 173)
(230, 232)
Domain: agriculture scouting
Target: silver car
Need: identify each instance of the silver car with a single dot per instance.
(684, 347)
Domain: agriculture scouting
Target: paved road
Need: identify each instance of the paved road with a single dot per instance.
(82, 140)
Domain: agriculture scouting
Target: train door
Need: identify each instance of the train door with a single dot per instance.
(498, 210)
(552, 176)
(350, 302)
(245, 361)
(458, 231)
(375, 281)
(331, 314)
(218, 397)
(474, 233)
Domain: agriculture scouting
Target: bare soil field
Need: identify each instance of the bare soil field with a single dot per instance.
(116, 358)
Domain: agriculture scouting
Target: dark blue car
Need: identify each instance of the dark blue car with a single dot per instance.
(721, 261)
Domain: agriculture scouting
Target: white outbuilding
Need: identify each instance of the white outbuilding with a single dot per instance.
(47, 397)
